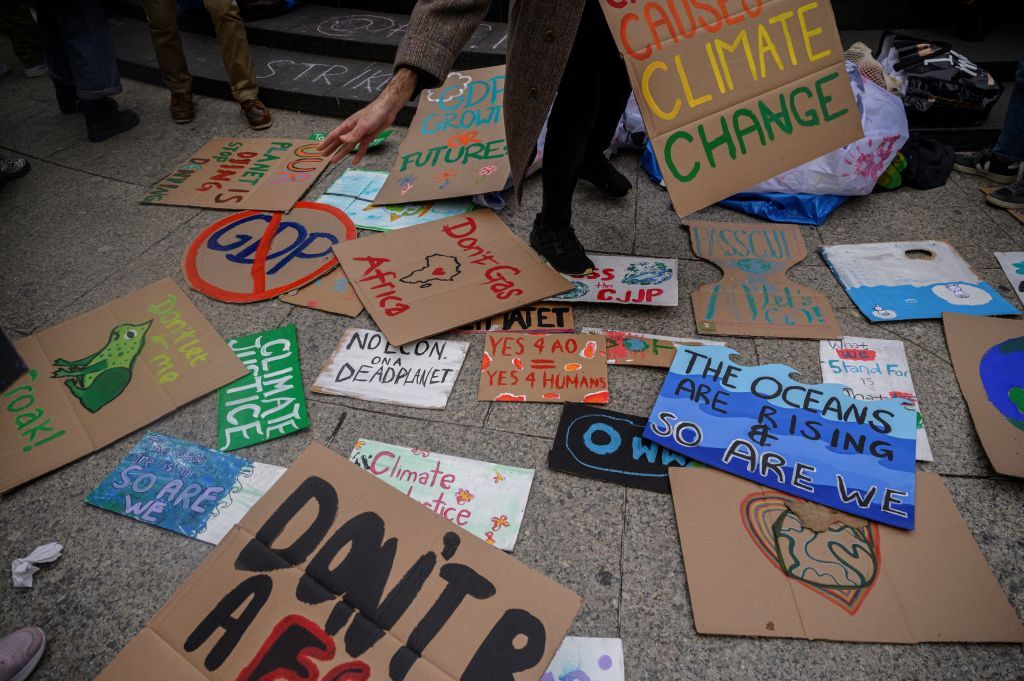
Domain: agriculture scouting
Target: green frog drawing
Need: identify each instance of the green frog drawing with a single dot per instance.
(96, 380)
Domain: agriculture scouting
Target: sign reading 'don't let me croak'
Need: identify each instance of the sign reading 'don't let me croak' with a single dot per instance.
(734, 92)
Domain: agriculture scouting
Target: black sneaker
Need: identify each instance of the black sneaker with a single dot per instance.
(988, 165)
(606, 179)
(104, 120)
(1011, 197)
(561, 249)
(12, 167)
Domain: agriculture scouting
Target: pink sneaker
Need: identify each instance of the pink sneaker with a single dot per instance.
(20, 653)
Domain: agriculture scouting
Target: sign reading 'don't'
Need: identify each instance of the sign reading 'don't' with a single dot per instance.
(736, 91)
(335, 575)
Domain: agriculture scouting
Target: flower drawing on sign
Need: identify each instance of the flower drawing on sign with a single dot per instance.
(489, 537)
(420, 452)
(498, 522)
(498, 477)
(647, 273)
(463, 139)
(488, 169)
(445, 178)
(437, 268)
(463, 496)
(406, 183)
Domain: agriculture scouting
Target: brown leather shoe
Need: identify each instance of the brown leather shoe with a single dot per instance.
(182, 109)
(257, 114)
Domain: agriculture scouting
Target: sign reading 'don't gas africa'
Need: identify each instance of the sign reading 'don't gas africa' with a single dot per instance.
(734, 92)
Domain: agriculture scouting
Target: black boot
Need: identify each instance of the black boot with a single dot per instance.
(560, 248)
(605, 178)
(103, 119)
(67, 98)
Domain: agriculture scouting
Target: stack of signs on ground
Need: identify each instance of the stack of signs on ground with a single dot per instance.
(874, 369)
(485, 499)
(626, 279)
(538, 367)
(268, 403)
(587, 659)
(643, 349)
(182, 487)
(423, 280)
(334, 573)
(733, 96)
(541, 318)
(107, 373)
(253, 256)
(254, 174)
(355, 190)
(330, 293)
(755, 297)
(455, 146)
(610, 446)
(366, 366)
(761, 563)
(904, 280)
(811, 441)
(1013, 265)
(988, 357)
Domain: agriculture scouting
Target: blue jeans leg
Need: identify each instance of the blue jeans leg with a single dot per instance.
(79, 47)
(1011, 139)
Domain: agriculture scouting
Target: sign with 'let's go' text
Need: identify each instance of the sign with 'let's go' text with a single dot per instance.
(734, 92)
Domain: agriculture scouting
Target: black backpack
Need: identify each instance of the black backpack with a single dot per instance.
(929, 162)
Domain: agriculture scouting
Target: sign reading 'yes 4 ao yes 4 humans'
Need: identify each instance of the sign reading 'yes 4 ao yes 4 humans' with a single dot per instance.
(811, 441)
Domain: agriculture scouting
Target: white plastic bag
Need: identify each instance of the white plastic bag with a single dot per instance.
(630, 133)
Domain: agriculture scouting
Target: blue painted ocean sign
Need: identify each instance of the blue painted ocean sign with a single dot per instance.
(810, 441)
(184, 487)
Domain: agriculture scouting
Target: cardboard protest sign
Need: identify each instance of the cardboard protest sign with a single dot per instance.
(485, 499)
(455, 145)
(337, 575)
(896, 281)
(811, 441)
(733, 93)
(874, 369)
(762, 563)
(643, 349)
(252, 174)
(626, 279)
(538, 367)
(355, 190)
(539, 318)
(374, 143)
(331, 293)
(180, 486)
(102, 375)
(610, 446)
(366, 366)
(988, 357)
(1013, 265)
(253, 256)
(587, 659)
(268, 403)
(423, 280)
(754, 296)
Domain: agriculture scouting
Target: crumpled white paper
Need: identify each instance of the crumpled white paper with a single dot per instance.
(22, 569)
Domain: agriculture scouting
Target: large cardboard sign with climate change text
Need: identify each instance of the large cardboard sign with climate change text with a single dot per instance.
(734, 92)
(335, 575)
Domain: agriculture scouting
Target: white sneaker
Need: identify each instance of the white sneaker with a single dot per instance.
(36, 71)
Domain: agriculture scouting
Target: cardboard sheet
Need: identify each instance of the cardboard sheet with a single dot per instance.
(755, 297)
(455, 145)
(539, 318)
(988, 357)
(366, 366)
(268, 403)
(811, 441)
(733, 93)
(609, 445)
(538, 367)
(874, 369)
(105, 374)
(628, 279)
(331, 293)
(643, 349)
(183, 487)
(900, 280)
(1013, 265)
(754, 567)
(355, 190)
(242, 174)
(335, 574)
(485, 499)
(587, 659)
(253, 256)
(423, 280)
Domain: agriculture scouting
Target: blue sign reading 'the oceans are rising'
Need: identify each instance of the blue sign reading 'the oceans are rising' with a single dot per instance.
(811, 441)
